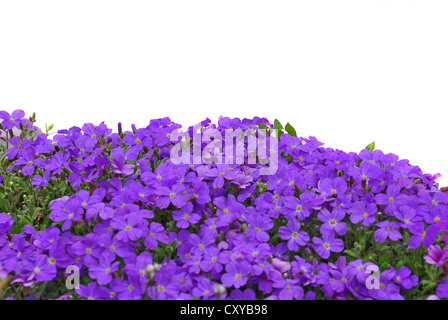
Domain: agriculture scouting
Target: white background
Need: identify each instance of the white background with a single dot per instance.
(346, 72)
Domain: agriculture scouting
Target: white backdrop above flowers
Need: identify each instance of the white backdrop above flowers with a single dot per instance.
(346, 72)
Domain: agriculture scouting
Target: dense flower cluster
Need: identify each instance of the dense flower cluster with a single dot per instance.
(138, 226)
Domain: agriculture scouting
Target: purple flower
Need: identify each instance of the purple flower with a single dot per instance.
(214, 260)
(92, 292)
(128, 226)
(68, 212)
(404, 278)
(88, 248)
(407, 215)
(364, 213)
(11, 120)
(204, 289)
(288, 289)
(392, 198)
(366, 171)
(156, 233)
(177, 195)
(17, 147)
(6, 221)
(387, 230)
(58, 162)
(295, 237)
(442, 289)
(332, 221)
(27, 161)
(118, 163)
(436, 255)
(327, 244)
(40, 181)
(42, 269)
(428, 236)
(333, 187)
(103, 271)
(136, 142)
(248, 294)
(130, 289)
(229, 209)
(164, 288)
(186, 216)
(258, 224)
(236, 274)
(294, 207)
(220, 173)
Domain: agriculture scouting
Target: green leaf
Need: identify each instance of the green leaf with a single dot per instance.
(261, 125)
(430, 286)
(275, 239)
(289, 128)
(351, 253)
(277, 125)
(371, 146)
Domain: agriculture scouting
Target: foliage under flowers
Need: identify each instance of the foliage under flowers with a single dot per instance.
(139, 227)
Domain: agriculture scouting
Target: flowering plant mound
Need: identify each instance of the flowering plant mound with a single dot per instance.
(115, 211)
